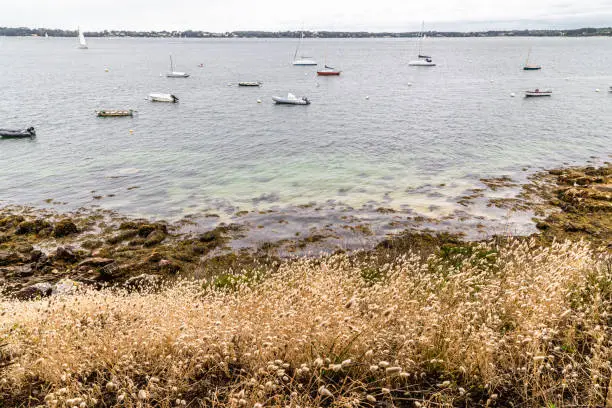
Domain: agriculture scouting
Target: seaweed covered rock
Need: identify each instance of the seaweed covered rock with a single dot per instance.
(96, 262)
(9, 258)
(64, 228)
(154, 238)
(65, 254)
(32, 227)
(145, 229)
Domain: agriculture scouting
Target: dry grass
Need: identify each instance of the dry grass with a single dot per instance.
(512, 325)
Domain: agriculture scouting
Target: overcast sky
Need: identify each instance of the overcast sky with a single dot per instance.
(349, 15)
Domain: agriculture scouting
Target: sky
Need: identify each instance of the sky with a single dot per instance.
(336, 15)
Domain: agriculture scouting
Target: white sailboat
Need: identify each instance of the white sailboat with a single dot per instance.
(422, 59)
(82, 41)
(302, 60)
(46, 35)
(175, 74)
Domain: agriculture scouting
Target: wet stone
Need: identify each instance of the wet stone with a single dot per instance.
(38, 290)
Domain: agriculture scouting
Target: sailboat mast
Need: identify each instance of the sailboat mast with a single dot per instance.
(298, 46)
(528, 55)
(421, 38)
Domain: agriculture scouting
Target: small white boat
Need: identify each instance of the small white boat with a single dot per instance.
(175, 74)
(422, 59)
(610, 90)
(82, 41)
(305, 61)
(160, 97)
(537, 92)
(428, 62)
(250, 83)
(291, 99)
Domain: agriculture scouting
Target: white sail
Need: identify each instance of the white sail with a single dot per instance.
(82, 41)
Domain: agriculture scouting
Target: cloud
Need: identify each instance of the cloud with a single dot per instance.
(229, 15)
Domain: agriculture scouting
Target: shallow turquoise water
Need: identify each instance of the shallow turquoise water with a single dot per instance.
(421, 138)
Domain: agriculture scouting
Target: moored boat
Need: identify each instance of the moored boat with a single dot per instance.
(250, 83)
(160, 97)
(329, 71)
(175, 74)
(305, 61)
(528, 66)
(537, 92)
(17, 133)
(113, 113)
(291, 99)
(422, 59)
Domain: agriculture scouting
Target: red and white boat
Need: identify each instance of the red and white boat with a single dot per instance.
(328, 71)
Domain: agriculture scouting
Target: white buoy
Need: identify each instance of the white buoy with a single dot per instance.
(367, 97)
(229, 84)
(105, 69)
(259, 101)
(131, 131)
(512, 94)
(597, 90)
(409, 84)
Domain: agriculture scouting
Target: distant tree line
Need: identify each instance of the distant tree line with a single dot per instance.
(52, 32)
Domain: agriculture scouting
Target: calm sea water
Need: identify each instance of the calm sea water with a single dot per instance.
(383, 133)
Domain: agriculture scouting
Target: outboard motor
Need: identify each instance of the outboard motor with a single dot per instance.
(31, 131)
(174, 99)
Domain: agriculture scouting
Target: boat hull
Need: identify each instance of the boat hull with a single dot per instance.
(533, 94)
(328, 73)
(163, 98)
(115, 113)
(249, 84)
(17, 133)
(532, 68)
(287, 101)
(305, 63)
(419, 63)
(177, 75)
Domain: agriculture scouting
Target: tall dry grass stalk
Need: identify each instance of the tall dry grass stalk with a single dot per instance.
(513, 324)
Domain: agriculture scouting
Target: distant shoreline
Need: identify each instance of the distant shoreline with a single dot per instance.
(51, 32)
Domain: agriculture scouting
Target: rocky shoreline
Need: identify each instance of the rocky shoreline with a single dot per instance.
(44, 252)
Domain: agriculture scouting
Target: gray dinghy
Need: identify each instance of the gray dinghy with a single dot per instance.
(17, 133)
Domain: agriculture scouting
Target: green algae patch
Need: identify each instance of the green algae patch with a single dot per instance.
(581, 202)
(64, 228)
